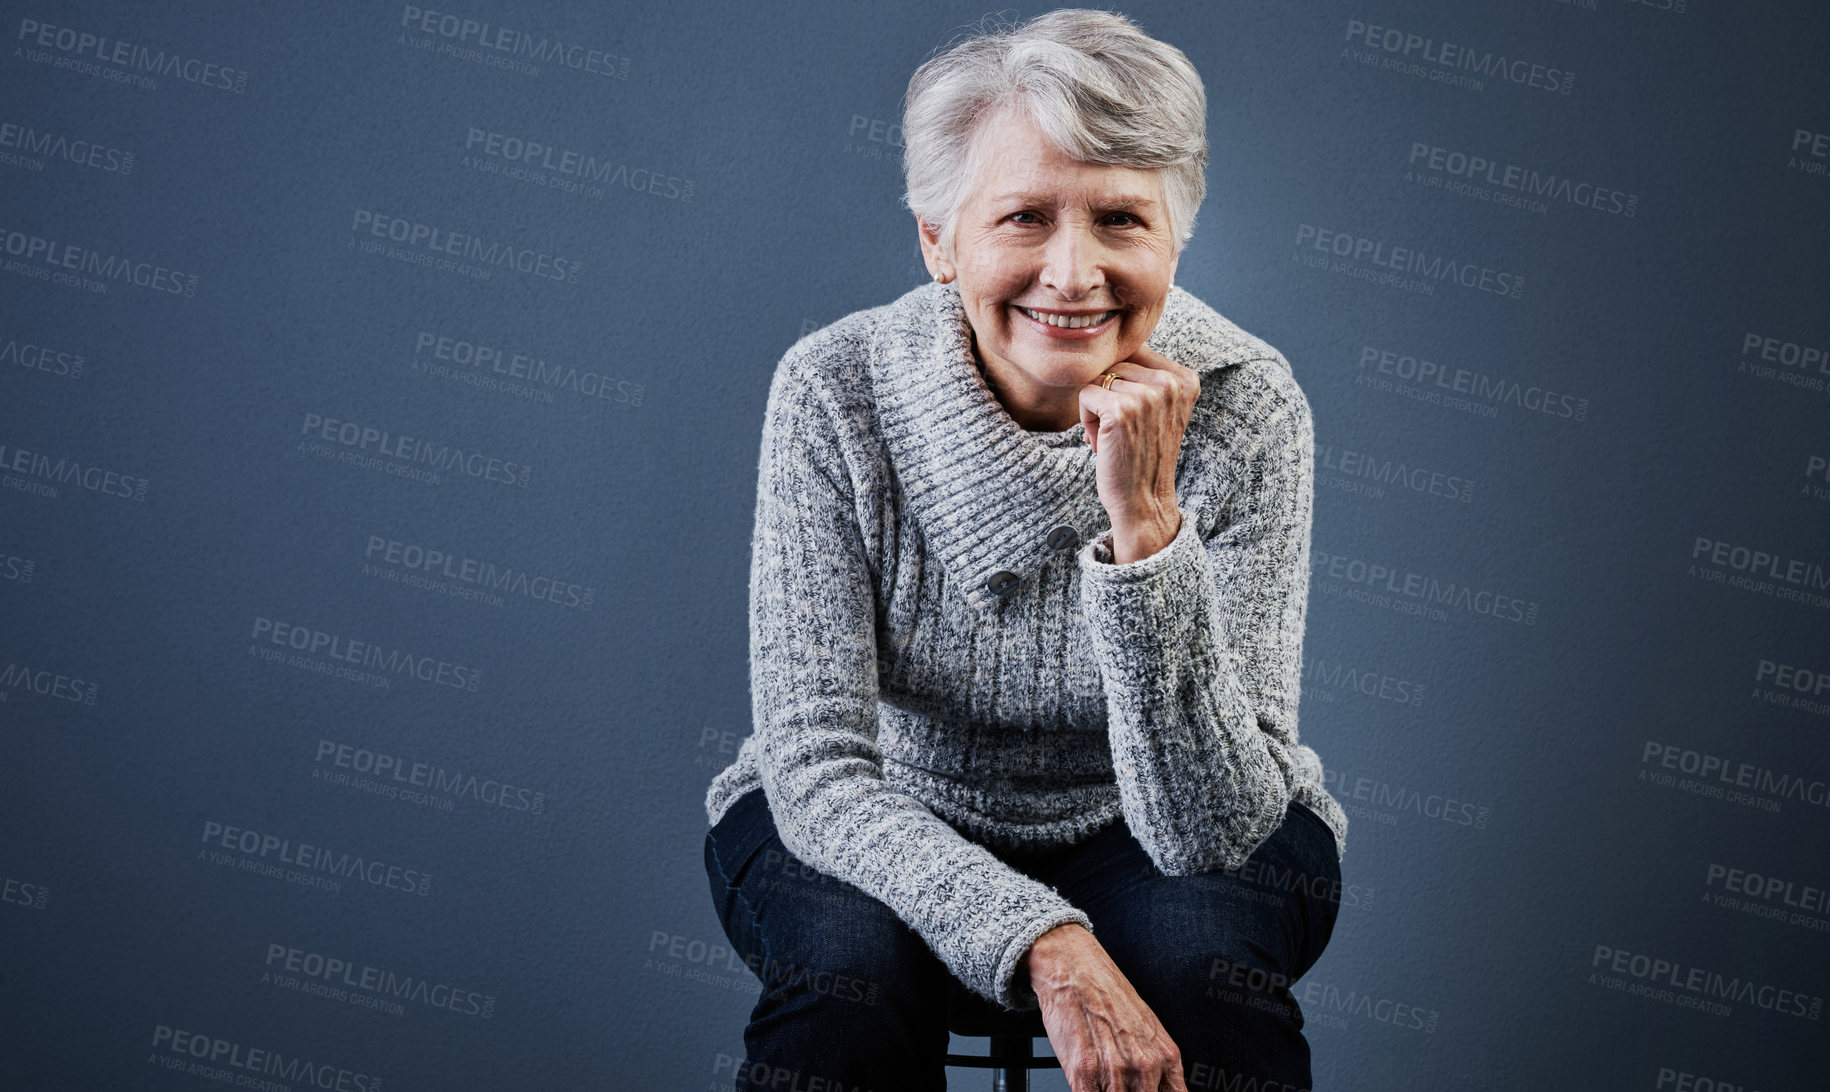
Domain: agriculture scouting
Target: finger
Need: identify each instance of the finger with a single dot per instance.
(1128, 1069)
(1172, 1072)
(1153, 368)
(1100, 406)
(1150, 358)
(1083, 1076)
(1173, 1081)
(1089, 419)
(1101, 402)
(1079, 1054)
(1131, 371)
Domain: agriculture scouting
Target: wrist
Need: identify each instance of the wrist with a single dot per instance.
(1047, 946)
(1134, 541)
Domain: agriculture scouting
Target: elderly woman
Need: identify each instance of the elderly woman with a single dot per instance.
(1027, 596)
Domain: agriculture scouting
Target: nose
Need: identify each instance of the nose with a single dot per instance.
(1072, 261)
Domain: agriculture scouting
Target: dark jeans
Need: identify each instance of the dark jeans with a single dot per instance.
(854, 999)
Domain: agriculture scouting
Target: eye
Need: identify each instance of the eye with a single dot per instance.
(1025, 212)
(1127, 217)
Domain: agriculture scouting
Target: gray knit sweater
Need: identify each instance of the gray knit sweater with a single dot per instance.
(905, 711)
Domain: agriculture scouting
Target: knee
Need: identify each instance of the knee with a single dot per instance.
(866, 965)
(1194, 943)
(1250, 981)
(1205, 967)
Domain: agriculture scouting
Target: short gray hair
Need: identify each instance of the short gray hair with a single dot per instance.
(1100, 89)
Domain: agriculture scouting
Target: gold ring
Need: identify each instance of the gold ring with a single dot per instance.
(1109, 377)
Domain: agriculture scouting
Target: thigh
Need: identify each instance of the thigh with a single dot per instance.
(1214, 954)
(851, 995)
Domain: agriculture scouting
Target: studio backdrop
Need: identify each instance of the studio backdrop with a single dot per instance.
(381, 389)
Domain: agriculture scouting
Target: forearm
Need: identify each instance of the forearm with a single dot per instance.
(1189, 754)
(979, 914)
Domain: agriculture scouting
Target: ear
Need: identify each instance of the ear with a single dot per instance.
(939, 266)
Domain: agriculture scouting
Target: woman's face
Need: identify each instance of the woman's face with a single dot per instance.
(1056, 236)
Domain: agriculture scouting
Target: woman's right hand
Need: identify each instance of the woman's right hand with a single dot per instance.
(1108, 1040)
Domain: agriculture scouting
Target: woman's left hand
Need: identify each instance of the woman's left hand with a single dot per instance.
(1135, 430)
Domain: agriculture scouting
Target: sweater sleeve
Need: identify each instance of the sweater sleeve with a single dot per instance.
(1200, 651)
(813, 681)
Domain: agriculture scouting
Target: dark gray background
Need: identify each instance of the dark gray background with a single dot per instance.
(589, 922)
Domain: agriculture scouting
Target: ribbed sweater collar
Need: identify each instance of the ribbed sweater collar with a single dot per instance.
(987, 493)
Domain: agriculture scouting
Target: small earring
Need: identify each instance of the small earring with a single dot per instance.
(940, 278)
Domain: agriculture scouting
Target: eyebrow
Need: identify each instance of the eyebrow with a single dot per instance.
(1121, 202)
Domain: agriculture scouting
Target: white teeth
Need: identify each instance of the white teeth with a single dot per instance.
(1069, 322)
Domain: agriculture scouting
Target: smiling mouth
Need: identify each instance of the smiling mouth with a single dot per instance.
(1069, 322)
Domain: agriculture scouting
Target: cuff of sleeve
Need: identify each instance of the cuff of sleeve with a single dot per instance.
(1327, 809)
(1096, 556)
(1140, 611)
(1308, 786)
(1020, 996)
